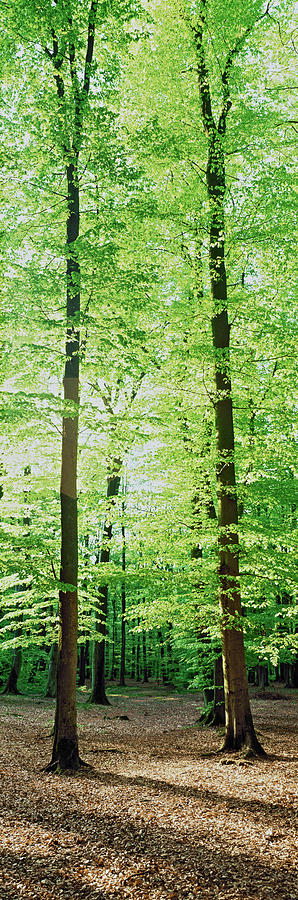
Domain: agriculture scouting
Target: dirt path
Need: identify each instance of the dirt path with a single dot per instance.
(159, 817)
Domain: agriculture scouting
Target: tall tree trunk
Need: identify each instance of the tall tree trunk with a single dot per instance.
(123, 605)
(65, 750)
(138, 678)
(98, 693)
(239, 724)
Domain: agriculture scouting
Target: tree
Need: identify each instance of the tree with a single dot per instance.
(59, 30)
(239, 724)
(64, 49)
(235, 60)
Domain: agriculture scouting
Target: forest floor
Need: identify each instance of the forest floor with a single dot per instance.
(159, 816)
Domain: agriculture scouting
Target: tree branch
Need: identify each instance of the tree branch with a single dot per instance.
(204, 87)
(227, 102)
(90, 46)
(57, 60)
(72, 62)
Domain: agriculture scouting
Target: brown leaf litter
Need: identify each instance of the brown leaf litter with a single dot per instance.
(157, 817)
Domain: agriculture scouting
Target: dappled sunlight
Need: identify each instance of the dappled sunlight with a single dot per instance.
(157, 816)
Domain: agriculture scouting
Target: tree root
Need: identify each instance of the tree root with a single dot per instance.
(102, 702)
(11, 693)
(250, 747)
(55, 768)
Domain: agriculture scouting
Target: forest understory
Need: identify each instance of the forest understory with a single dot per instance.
(160, 814)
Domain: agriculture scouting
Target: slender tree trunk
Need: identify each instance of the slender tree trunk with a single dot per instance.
(145, 668)
(239, 724)
(123, 605)
(219, 694)
(215, 715)
(65, 750)
(82, 665)
(11, 686)
(163, 668)
(87, 660)
(133, 656)
(113, 674)
(138, 678)
(170, 661)
(51, 687)
(98, 694)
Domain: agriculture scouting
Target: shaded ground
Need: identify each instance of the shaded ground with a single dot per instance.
(160, 816)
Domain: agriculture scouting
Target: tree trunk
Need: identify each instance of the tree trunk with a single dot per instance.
(11, 686)
(163, 668)
(262, 676)
(51, 688)
(82, 664)
(239, 724)
(133, 656)
(215, 715)
(123, 605)
(65, 750)
(114, 637)
(291, 679)
(294, 682)
(138, 678)
(98, 694)
(145, 669)
(170, 661)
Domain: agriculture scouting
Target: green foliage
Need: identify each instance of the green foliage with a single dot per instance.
(146, 356)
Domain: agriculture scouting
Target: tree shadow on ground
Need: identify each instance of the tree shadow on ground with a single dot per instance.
(167, 855)
(213, 797)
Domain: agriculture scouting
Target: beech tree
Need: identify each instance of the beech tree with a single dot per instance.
(139, 208)
(65, 750)
(239, 725)
(59, 32)
(219, 35)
